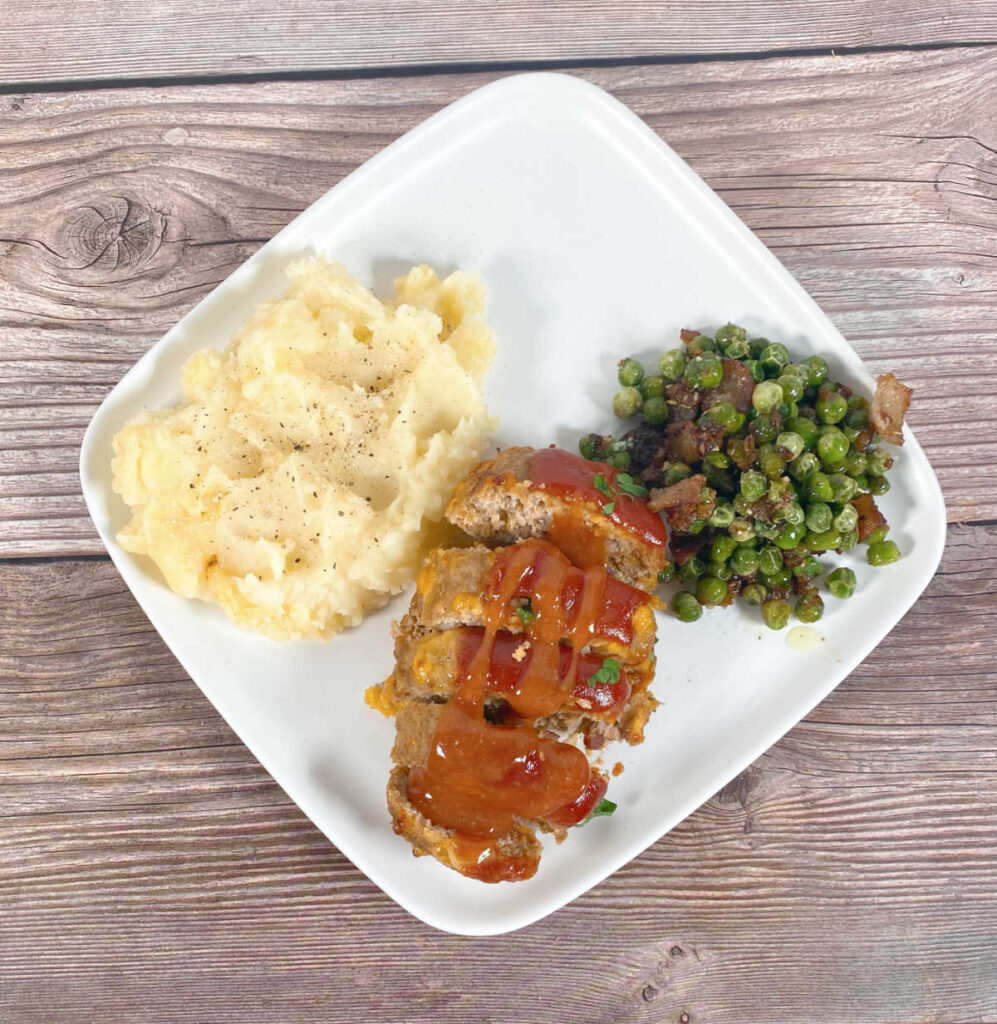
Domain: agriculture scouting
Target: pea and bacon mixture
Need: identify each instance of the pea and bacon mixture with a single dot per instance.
(760, 464)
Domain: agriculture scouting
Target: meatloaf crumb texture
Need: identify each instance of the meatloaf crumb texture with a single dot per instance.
(498, 505)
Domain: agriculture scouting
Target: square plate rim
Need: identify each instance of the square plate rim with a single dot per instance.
(571, 90)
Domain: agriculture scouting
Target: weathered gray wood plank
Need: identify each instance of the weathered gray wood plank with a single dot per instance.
(147, 861)
(62, 39)
(872, 177)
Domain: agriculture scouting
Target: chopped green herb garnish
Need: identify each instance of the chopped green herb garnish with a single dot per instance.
(603, 809)
(627, 484)
(608, 507)
(602, 484)
(609, 673)
(526, 613)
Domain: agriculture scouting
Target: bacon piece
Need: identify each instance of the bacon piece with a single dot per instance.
(685, 492)
(737, 387)
(889, 406)
(684, 503)
(870, 518)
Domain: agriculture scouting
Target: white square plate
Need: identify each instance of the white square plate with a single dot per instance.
(595, 241)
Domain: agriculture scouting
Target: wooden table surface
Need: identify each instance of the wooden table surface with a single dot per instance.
(150, 870)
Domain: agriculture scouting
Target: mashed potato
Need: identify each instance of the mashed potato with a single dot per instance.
(295, 482)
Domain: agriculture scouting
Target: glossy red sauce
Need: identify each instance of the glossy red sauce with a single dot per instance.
(574, 479)
(568, 602)
(480, 777)
(533, 694)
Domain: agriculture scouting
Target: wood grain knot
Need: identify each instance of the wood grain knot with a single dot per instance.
(738, 790)
(112, 233)
(648, 993)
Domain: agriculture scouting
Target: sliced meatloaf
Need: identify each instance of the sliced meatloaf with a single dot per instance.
(510, 857)
(550, 493)
(427, 669)
(450, 593)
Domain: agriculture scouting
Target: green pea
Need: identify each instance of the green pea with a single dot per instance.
(741, 529)
(755, 369)
(771, 463)
(843, 487)
(753, 485)
(744, 561)
(773, 358)
(792, 388)
(810, 606)
(851, 434)
(804, 466)
(763, 429)
(587, 447)
(832, 448)
(703, 372)
(619, 460)
(854, 463)
(861, 482)
(627, 403)
(717, 459)
(817, 371)
(877, 535)
(878, 485)
(767, 531)
(722, 548)
(819, 488)
(849, 539)
(792, 442)
(653, 387)
(857, 419)
(841, 582)
(770, 560)
(808, 569)
(754, 593)
(790, 536)
(831, 407)
(818, 517)
(806, 429)
(798, 370)
(782, 579)
(691, 570)
(793, 514)
(825, 541)
(723, 514)
(883, 552)
(667, 574)
(847, 519)
(710, 590)
(878, 462)
(672, 364)
(655, 411)
(758, 346)
(700, 344)
(686, 607)
(738, 348)
(766, 396)
(721, 570)
(675, 472)
(724, 414)
(730, 332)
(630, 372)
(775, 614)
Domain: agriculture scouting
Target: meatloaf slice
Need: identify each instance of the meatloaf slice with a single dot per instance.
(426, 669)
(500, 503)
(510, 857)
(450, 593)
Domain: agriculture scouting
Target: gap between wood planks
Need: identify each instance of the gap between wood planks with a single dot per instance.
(472, 67)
